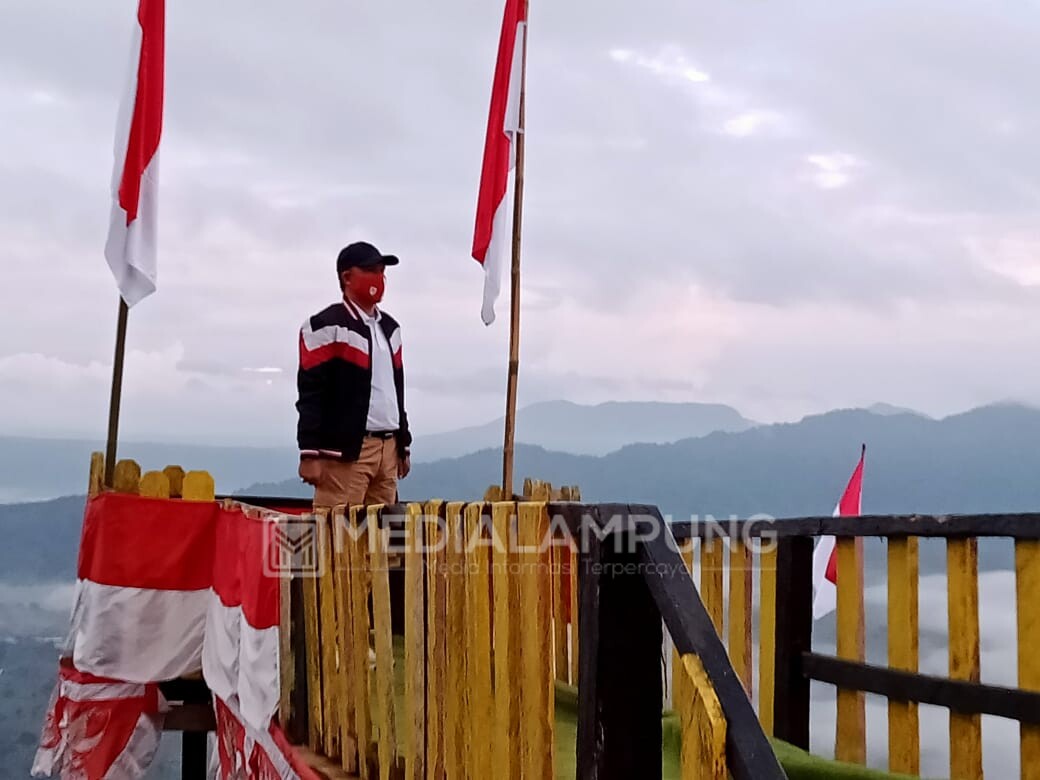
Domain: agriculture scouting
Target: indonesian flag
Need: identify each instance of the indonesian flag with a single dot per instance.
(490, 236)
(97, 728)
(825, 556)
(131, 245)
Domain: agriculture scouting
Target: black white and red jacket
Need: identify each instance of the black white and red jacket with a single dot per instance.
(334, 382)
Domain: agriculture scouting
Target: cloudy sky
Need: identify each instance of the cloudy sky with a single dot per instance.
(783, 206)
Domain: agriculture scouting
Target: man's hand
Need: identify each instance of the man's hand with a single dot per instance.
(404, 466)
(311, 470)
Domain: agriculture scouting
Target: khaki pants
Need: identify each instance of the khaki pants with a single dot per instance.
(371, 479)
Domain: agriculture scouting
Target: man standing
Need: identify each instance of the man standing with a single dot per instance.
(353, 430)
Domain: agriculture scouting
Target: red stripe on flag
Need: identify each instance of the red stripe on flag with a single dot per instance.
(494, 173)
(849, 506)
(155, 543)
(146, 124)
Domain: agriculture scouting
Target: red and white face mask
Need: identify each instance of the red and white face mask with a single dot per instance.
(366, 287)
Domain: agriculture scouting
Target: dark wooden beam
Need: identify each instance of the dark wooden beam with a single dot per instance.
(193, 755)
(793, 637)
(957, 695)
(619, 716)
(748, 752)
(1017, 526)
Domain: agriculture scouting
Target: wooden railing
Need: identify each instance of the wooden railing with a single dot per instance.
(787, 663)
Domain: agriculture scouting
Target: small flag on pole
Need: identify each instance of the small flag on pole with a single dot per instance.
(490, 235)
(825, 558)
(131, 245)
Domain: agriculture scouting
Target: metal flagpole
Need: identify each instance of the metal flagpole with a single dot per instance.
(514, 289)
(117, 392)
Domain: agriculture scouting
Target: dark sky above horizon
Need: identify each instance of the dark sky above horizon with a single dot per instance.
(783, 207)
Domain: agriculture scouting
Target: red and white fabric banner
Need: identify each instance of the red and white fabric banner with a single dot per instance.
(98, 728)
(825, 558)
(490, 234)
(256, 754)
(165, 588)
(132, 233)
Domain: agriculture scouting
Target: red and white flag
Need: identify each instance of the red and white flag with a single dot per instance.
(490, 235)
(825, 557)
(131, 245)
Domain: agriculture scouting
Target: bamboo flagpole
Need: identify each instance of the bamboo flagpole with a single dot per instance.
(131, 246)
(514, 287)
(503, 152)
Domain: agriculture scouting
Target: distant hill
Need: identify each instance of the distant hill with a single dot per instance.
(563, 426)
(980, 461)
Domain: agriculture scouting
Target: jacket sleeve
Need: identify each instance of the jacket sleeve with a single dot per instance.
(310, 386)
(404, 435)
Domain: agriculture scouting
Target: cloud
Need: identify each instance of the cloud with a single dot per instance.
(700, 182)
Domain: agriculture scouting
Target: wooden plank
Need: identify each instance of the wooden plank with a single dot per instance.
(740, 587)
(748, 753)
(506, 644)
(478, 638)
(331, 700)
(850, 742)
(767, 636)
(703, 752)
(1020, 525)
(198, 486)
(712, 553)
(574, 635)
(321, 766)
(127, 477)
(193, 754)
(1027, 589)
(589, 577)
(962, 577)
(96, 478)
(292, 706)
(793, 638)
(414, 648)
(628, 691)
(175, 474)
(436, 618)
(536, 661)
(904, 730)
(384, 697)
(155, 484)
(359, 588)
(956, 695)
(560, 553)
(312, 634)
(680, 693)
(455, 715)
(344, 603)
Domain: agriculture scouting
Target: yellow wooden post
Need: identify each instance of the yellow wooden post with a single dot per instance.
(176, 476)
(329, 638)
(711, 580)
(703, 751)
(312, 638)
(96, 479)
(455, 634)
(767, 635)
(506, 644)
(740, 586)
(347, 705)
(560, 552)
(962, 576)
(536, 662)
(414, 647)
(478, 638)
(904, 731)
(384, 697)
(851, 737)
(155, 484)
(1027, 587)
(127, 477)
(198, 486)
(359, 586)
(680, 696)
(436, 617)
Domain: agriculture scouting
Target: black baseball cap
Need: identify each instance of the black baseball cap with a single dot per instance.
(361, 254)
